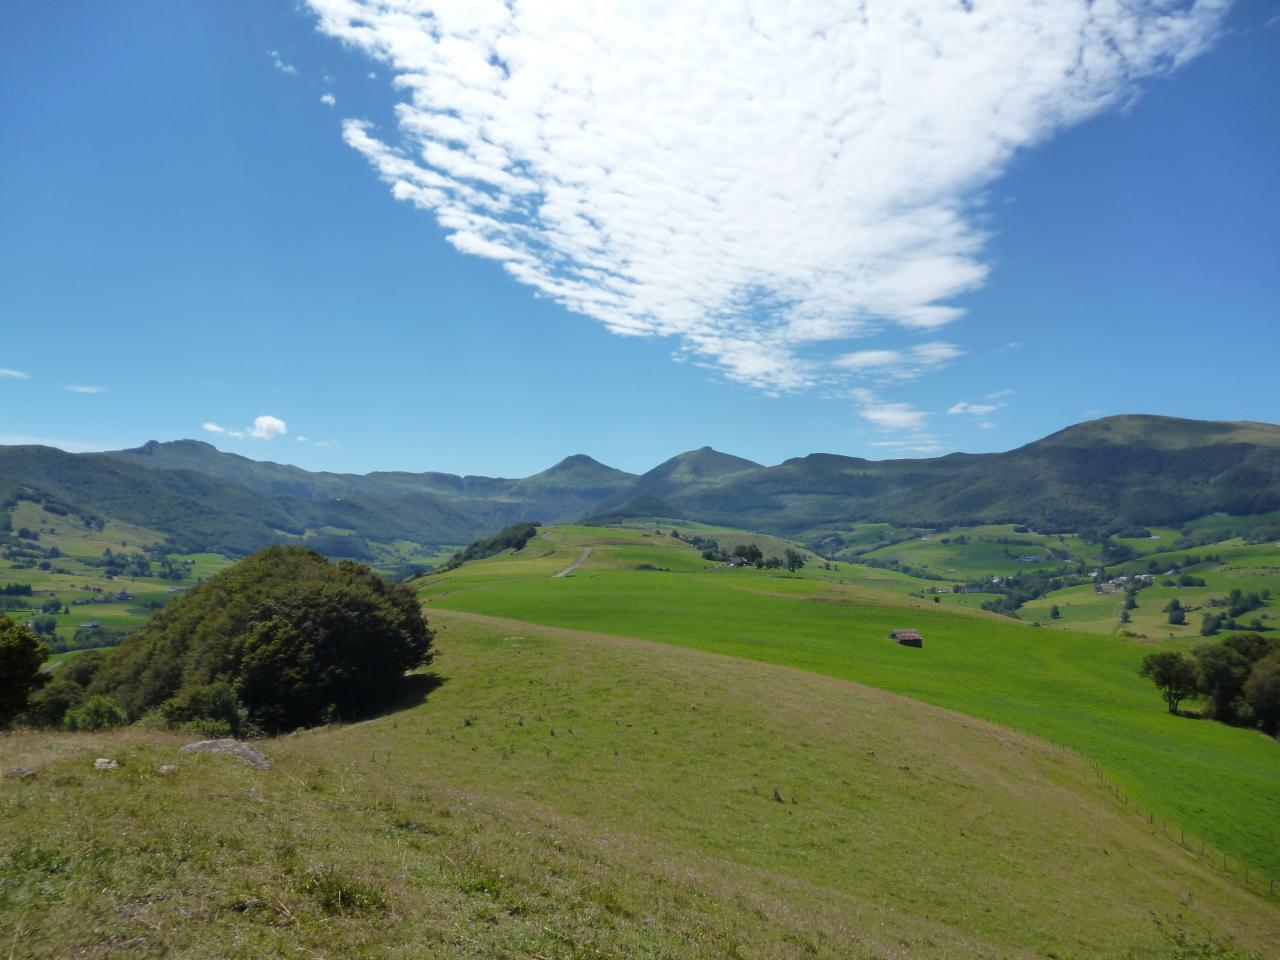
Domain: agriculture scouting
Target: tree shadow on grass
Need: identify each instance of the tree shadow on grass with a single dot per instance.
(411, 692)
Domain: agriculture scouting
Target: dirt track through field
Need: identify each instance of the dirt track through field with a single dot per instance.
(586, 552)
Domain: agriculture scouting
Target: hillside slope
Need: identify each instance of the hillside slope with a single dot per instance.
(1105, 474)
(567, 794)
(1219, 783)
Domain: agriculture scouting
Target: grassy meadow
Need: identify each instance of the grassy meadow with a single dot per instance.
(565, 794)
(1215, 782)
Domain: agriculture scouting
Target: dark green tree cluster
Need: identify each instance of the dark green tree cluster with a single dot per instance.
(283, 639)
(1238, 679)
(65, 694)
(22, 653)
(513, 537)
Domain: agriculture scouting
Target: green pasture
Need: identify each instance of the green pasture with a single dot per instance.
(1217, 782)
(568, 795)
(70, 535)
(981, 555)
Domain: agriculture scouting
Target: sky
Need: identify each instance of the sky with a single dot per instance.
(478, 236)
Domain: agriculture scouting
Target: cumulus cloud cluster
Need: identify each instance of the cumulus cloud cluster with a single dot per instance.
(265, 427)
(757, 181)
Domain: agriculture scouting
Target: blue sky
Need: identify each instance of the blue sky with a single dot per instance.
(826, 242)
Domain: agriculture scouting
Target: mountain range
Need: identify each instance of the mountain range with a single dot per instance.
(1100, 475)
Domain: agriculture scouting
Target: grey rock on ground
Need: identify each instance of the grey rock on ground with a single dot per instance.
(236, 748)
(167, 768)
(20, 773)
(105, 763)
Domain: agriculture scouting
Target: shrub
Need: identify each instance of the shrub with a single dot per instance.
(283, 639)
(96, 713)
(48, 706)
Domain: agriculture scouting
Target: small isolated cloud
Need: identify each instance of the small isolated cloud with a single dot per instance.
(757, 181)
(14, 374)
(267, 428)
(977, 409)
(328, 100)
(899, 364)
(76, 388)
(219, 429)
(999, 394)
(301, 439)
(896, 417)
(325, 443)
(280, 65)
(986, 425)
(893, 416)
(371, 75)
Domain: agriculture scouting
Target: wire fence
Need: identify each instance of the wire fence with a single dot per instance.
(1254, 880)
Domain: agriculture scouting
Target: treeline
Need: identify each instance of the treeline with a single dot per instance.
(1238, 679)
(513, 537)
(793, 560)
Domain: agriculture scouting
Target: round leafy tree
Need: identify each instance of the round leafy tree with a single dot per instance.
(21, 654)
(298, 639)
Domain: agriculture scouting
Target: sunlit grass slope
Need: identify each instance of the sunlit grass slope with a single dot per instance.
(1219, 783)
(565, 795)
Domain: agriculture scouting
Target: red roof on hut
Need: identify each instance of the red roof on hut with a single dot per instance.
(908, 638)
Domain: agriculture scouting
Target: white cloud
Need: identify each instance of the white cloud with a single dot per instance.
(986, 425)
(14, 374)
(899, 364)
(75, 388)
(267, 428)
(977, 409)
(886, 415)
(999, 394)
(280, 65)
(325, 443)
(301, 439)
(217, 428)
(893, 416)
(328, 99)
(754, 182)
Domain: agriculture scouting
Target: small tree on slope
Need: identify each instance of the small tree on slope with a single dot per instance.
(1174, 675)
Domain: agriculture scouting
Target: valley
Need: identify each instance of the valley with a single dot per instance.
(657, 733)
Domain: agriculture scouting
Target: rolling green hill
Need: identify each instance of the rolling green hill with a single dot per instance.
(1216, 782)
(563, 793)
